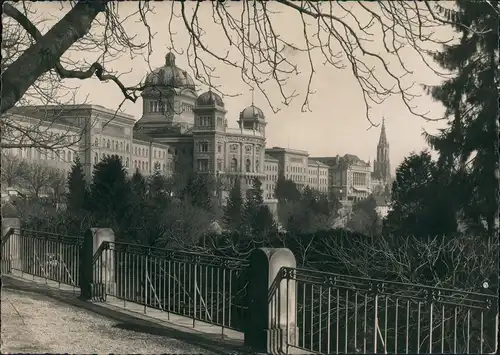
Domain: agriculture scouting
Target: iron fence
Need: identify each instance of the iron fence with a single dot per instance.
(203, 287)
(343, 314)
(46, 255)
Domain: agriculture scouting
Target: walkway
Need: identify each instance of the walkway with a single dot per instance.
(39, 319)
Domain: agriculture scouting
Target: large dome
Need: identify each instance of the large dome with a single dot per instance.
(251, 113)
(209, 98)
(170, 75)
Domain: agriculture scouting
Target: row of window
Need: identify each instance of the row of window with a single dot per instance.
(295, 169)
(272, 167)
(203, 165)
(359, 179)
(272, 177)
(321, 172)
(112, 144)
(315, 181)
(207, 121)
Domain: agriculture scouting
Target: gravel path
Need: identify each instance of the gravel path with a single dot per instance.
(37, 324)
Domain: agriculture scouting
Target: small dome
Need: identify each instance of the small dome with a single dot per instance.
(170, 75)
(251, 113)
(209, 98)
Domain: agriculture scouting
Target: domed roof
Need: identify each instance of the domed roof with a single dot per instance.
(209, 98)
(170, 75)
(251, 112)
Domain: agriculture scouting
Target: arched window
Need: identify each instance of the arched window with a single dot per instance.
(143, 166)
(121, 145)
(248, 166)
(128, 147)
(234, 165)
(96, 158)
(257, 166)
(108, 144)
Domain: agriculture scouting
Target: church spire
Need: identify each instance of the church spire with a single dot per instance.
(383, 137)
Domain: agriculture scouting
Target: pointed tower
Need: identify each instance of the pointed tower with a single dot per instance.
(382, 166)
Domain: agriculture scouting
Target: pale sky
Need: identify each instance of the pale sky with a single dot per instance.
(336, 123)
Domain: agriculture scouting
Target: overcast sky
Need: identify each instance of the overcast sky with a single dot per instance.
(336, 123)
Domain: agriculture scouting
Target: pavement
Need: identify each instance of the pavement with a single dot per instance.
(38, 318)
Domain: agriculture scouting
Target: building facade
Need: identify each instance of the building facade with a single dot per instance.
(179, 132)
(318, 176)
(349, 177)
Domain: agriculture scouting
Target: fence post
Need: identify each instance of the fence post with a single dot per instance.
(271, 326)
(11, 251)
(92, 240)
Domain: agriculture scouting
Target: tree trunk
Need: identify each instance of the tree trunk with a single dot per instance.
(44, 54)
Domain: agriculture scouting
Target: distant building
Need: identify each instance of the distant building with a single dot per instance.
(318, 176)
(271, 168)
(295, 165)
(349, 177)
(381, 176)
(292, 164)
(179, 132)
(382, 205)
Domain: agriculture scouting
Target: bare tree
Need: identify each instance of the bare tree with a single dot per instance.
(38, 178)
(13, 170)
(340, 32)
(20, 129)
(57, 183)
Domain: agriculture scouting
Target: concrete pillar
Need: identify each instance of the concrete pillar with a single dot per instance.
(97, 276)
(271, 326)
(11, 250)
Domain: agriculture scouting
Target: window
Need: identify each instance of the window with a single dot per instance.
(96, 158)
(219, 165)
(164, 167)
(234, 165)
(257, 166)
(143, 166)
(121, 145)
(126, 162)
(202, 164)
(64, 155)
(128, 147)
(154, 153)
(248, 166)
(96, 142)
(108, 144)
(135, 150)
(147, 152)
(219, 148)
(147, 166)
(203, 147)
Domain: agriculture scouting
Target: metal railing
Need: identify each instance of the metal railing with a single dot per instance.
(343, 314)
(46, 255)
(203, 287)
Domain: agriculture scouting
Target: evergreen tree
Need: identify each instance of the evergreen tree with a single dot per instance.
(422, 200)
(197, 192)
(257, 218)
(77, 188)
(234, 207)
(287, 191)
(110, 191)
(138, 183)
(468, 146)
